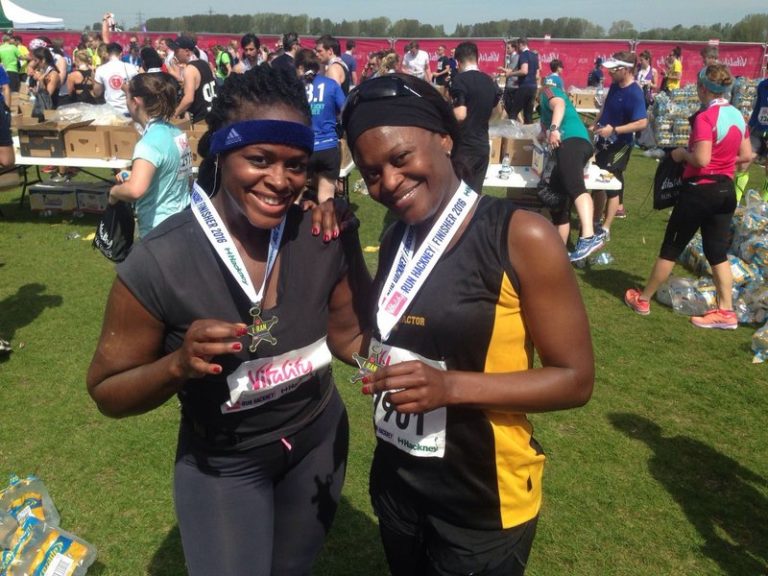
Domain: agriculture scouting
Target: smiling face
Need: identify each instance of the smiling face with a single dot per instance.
(260, 181)
(408, 170)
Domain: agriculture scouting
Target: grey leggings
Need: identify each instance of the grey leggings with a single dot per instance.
(266, 510)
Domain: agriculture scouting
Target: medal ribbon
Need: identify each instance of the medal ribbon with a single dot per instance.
(410, 271)
(218, 235)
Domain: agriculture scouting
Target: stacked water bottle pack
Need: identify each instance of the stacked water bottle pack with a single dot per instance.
(31, 541)
(670, 116)
(748, 259)
(744, 94)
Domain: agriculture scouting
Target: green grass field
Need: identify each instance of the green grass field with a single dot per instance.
(665, 471)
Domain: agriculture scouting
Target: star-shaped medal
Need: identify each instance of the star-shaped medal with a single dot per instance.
(260, 330)
(365, 366)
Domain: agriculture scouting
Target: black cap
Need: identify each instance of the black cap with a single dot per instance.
(185, 42)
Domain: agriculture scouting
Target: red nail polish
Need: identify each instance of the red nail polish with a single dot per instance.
(217, 369)
(315, 231)
(237, 346)
(335, 233)
(366, 389)
(365, 379)
(241, 332)
(326, 237)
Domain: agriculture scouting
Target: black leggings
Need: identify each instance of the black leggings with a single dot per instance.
(568, 176)
(709, 207)
(266, 510)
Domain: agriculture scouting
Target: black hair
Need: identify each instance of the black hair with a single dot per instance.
(44, 55)
(259, 87)
(466, 51)
(555, 64)
(329, 43)
(113, 48)
(150, 58)
(308, 60)
(250, 39)
(351, 44)
(289, 40)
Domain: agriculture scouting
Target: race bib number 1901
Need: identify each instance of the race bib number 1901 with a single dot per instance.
(422, 434)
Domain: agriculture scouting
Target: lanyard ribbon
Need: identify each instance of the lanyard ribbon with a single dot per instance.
(410, 271)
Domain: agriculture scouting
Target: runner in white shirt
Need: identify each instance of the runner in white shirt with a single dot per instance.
(416, 62)
(110, 77)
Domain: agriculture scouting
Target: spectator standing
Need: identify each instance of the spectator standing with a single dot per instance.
(80, 80)
(527, 73)
(442, 74)
(161, 170)
(110, 77)
(291, 47)
(326, 100)
(327, 50)
(510, 84)
(349, 59)
(718, 141)
(198, 83)
(223, 63)
(23, 59)
(647, 77)
(674, 72)
(758, 131)
(595, 77)
(250, 45)
(416, 62)
(10, 57)
(474, 95)
(7, 156)
(554, 78)
(623, 113)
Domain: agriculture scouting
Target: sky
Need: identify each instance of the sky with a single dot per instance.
(643, 14)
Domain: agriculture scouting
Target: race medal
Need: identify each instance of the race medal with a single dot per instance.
(260, 330)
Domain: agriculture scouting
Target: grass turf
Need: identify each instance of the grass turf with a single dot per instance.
(663, 472)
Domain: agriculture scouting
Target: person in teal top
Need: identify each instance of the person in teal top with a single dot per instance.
(568, 138)
(160, 177)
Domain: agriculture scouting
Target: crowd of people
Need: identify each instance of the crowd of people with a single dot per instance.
(231, 277)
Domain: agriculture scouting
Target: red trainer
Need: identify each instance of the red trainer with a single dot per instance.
(633, 300)
(718, 318)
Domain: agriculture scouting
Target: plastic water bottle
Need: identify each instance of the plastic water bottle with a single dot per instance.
(600, 94)
(506, 168)
(602, 259)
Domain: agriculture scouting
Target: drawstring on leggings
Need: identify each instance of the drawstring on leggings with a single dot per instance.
(286, 444)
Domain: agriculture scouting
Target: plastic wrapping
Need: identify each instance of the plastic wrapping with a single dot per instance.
(760, 344)
(514, 130)
(37, 549)
(28, 497)
(670, 113)
(8, 526)
(101, 114)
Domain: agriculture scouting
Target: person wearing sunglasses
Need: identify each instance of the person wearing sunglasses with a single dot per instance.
(467, 287)
(214, 306)
(622, 114)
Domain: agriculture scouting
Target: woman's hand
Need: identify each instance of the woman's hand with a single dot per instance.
(553, 138)
(204, 340)
(678, 154)
(330, 218)
(413, 386)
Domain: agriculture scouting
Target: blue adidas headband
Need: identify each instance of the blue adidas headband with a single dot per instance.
(248, 132)
(709, 85)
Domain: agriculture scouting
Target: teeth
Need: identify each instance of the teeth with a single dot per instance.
(271, 201)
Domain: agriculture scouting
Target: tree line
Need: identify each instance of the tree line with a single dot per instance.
(751, 28)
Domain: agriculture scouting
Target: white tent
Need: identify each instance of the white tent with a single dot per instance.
(24, 19)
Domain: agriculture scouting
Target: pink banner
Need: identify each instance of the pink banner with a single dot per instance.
(578, 56)
(742, 59)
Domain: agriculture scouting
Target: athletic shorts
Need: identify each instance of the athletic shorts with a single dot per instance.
(418, 543)
(568, 176)
(325, 163)
(705, 206)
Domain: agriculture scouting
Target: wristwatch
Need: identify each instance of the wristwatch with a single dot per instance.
(554, 127)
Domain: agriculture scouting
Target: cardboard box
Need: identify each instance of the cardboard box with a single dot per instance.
(495, 150)
(520, 151)
(193, 138)
(46, 139)
(59, 197)
(88, 142)
(26, 107)
(122, 141)
(583, 99)
(92, 197)
(539, 158)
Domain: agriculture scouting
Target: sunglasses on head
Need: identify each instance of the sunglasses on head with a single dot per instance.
(381, 88)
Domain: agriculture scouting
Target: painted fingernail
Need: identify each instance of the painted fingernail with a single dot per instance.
(365, 379)
(326, 237)
(217, 369)
(335, 233)
(237, 346)
(241, 331)
(366, 389)
(315, 231)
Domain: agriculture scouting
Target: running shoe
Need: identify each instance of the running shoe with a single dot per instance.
(621, 213)
(717, 318)
(58, 178)
(586, 246)
(48, 169)
(632, 298)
